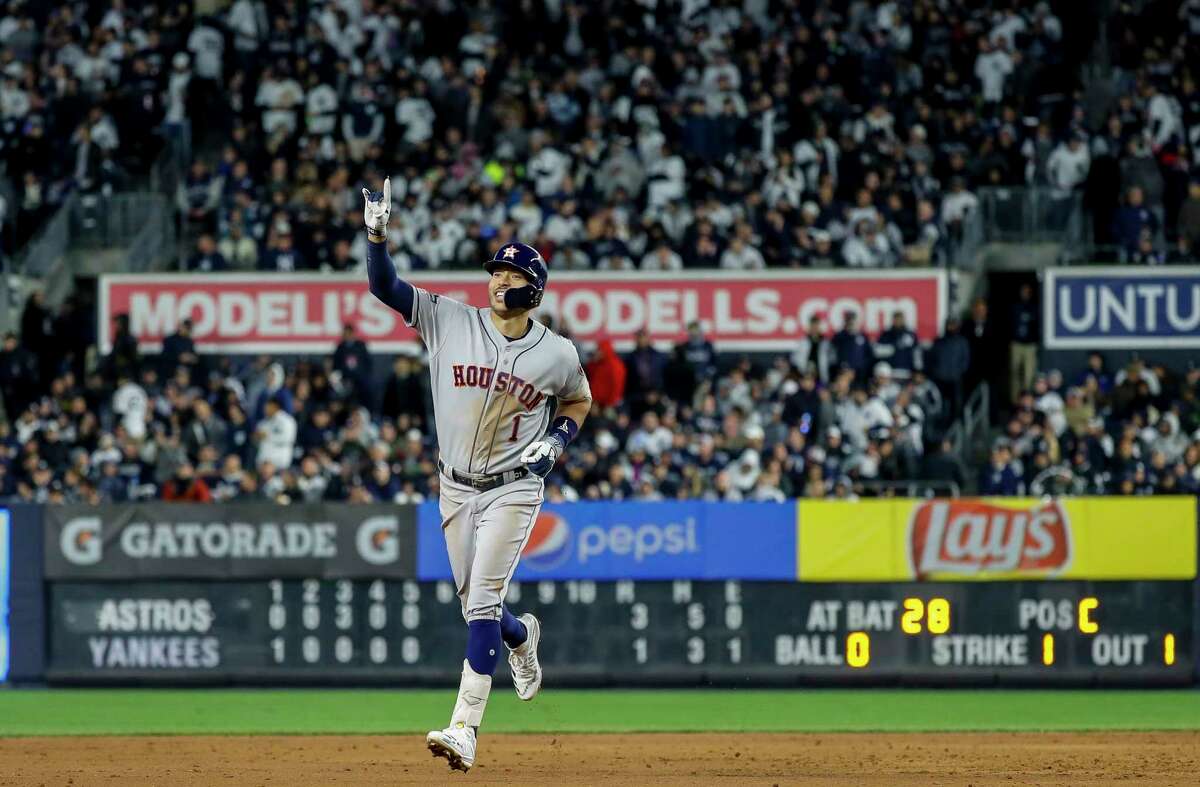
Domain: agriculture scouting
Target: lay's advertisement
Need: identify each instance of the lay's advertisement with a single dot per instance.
(997, 539)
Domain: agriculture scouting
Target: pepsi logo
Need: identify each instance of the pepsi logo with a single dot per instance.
(549, 545)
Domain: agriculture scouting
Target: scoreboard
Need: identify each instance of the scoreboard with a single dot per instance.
(408, 632)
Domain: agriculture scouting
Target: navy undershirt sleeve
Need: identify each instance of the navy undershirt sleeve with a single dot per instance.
(385, 284)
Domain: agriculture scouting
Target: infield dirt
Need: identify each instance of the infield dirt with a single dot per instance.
(1166, 758)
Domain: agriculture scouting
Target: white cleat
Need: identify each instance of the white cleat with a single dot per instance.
(456, 744)
(523, 660)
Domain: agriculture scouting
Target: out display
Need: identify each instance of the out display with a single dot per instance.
(407, 632)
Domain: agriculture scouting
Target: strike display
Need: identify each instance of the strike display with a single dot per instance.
(404, 632)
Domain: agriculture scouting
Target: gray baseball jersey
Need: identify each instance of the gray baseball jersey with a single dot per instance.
(491, 396)
(491, 399)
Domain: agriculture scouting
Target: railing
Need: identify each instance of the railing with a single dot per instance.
(1108, 254)
(1031, 214)
(910, 488)
(113, 221)
(49, 243)
(156, 239)
(966, 432)
(963, 250)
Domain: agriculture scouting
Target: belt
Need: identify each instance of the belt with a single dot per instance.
(479, 481)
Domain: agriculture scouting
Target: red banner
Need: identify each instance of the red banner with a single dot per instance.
(304, 313)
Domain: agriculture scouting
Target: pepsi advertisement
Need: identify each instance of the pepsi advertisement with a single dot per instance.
(1122, 308)
(668, 540)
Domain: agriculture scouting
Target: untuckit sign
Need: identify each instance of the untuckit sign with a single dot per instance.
(1122, 308)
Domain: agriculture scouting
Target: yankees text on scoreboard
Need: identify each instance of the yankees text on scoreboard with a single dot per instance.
(683, 632)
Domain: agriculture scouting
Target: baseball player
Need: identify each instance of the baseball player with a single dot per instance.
(494, 373)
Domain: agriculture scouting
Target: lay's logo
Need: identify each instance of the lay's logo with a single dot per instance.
(979, 540)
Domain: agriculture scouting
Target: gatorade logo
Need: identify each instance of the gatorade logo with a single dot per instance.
(377, 540)
(80, 541)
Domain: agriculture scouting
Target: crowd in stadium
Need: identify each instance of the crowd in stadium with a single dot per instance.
(622, 135)
(641, 135)
(841, 416)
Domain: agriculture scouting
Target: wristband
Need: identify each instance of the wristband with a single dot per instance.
(376, 237)
(564, 429)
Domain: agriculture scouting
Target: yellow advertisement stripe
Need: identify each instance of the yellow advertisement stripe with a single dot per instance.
(861, 542)
(1132, 538)
(1111, 538)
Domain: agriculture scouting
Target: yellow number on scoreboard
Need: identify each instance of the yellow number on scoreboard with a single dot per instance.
(939, 615)
(914, 610)
(1048, 649)
(858, 649)
(936, 615)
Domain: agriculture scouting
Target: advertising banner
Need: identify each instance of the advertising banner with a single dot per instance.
(1096, 538)
(640, 541)
(174, 540)
(1121, 308)
(305, 313)
(4, 580)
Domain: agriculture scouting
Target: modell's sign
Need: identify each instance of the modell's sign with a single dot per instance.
(976, 539)
(220, 541)
(243, 313)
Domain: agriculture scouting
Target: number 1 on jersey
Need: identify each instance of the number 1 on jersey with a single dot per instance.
(516, 426)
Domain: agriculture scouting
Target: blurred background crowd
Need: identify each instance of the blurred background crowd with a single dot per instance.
(648, 135)
(840, 416)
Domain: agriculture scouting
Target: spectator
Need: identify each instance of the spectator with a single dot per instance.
(1189, 217)
(1023, 349)
(352, 361)
(852, 349)
(958, 205)
(1001, 476)
(606, 373)
(404, 394)
(198, 197)
(943, 465)
(282, 255)
(985, 339)
(131, 403)
(1132, 220)
(1068, 165)
(205, 429)
(238, 250)
(276, 434)
(663, 258)
(179, 349)
(18, 376)
(899, 347)
(949, 361)
(814, 352)
(742, 256)
(184, 487)
(644, 374)
(207, 259)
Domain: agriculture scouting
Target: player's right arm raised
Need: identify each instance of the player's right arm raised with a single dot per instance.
(385, 284)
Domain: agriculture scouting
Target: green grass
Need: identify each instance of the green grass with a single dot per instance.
(213, 711)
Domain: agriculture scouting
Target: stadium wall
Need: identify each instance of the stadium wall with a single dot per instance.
(1072, 591)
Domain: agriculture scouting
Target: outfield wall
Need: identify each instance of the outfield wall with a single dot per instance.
(1075, 591)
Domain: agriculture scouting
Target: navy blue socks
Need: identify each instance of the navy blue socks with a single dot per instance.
(511, 629)
(483, 645)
